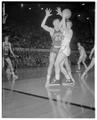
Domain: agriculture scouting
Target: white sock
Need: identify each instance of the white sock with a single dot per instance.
(57, 77)
(48, 78)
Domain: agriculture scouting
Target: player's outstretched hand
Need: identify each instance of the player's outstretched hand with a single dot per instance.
(48, 12)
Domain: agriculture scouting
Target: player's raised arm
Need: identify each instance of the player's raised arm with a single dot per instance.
(43, 24)
(68, 35)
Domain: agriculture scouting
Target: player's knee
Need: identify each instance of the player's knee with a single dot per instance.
(56, 65)
(51, 61)
(61, 66)
(50, 66)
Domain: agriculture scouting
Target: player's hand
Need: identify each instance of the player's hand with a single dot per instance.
(58, 10)
(48, 12)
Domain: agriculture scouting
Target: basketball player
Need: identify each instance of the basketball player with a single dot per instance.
(91, 64)
(6, 56)
(57, 37)
(82, 57)
(64, 52)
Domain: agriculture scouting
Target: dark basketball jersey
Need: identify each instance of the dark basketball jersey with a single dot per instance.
(57, 38)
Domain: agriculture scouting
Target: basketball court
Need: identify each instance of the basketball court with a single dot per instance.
(30, 99)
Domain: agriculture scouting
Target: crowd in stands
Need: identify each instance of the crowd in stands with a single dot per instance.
(30, 37)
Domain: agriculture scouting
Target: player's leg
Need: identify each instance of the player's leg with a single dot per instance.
(66, 62)
(63, 70)
(89, 67)
(59, 59)
(8, 73)
(52, 58)
(11, 67)
(79, 62)
(83, 61)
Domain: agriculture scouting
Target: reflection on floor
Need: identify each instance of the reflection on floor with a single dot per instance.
(30, 99)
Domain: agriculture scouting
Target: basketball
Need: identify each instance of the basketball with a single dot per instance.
(67, 13)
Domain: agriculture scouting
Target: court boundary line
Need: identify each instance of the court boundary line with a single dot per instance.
(38, 96)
